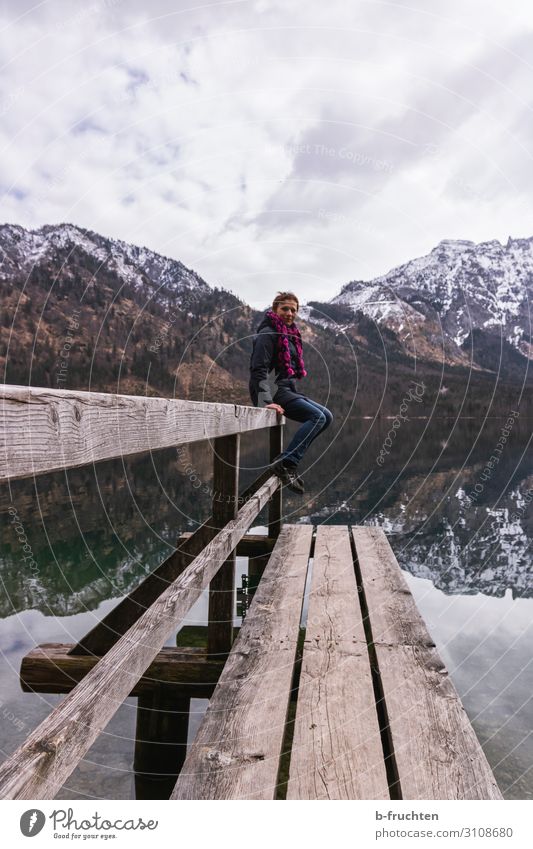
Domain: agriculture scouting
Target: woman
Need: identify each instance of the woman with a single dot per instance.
(278, 346)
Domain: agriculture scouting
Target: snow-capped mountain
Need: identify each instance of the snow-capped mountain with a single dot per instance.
(131, 317)
(22, 250)
(460, 287)
(147, 324)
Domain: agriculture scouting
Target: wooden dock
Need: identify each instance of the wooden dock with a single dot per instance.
(351, 701)
(377, 716)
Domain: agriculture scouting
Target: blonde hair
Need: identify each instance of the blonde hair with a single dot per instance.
(284, 296)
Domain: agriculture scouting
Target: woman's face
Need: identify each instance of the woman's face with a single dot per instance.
(287, 310)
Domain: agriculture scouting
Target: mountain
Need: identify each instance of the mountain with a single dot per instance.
(148, 272)
(82, 311)
(463, 303)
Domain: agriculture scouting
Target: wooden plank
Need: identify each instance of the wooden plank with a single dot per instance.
(106, 633)
(221, 589)
(436, 751)
(395, 617)
(38, 768)
(43, 430)
(50, 668)
(336, 751)
(236, 752)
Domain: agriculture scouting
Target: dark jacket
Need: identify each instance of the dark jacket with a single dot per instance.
(263, 361)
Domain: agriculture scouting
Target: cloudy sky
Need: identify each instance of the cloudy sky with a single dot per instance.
(271, 143)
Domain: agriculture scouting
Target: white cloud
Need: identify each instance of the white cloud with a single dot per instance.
(267, 143)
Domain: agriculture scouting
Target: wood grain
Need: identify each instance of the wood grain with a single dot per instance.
(38, 768)
(336, 751)
(43, 430)
(251, 545)
(51, 668)
(106, 632)
(226, 453)
(436, 750)
(275, 508)
(236, 752)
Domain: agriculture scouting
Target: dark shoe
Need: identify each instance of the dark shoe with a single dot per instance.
(288, 476)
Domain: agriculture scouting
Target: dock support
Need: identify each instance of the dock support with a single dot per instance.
(160, 741)
(225, 508)
(275, 503)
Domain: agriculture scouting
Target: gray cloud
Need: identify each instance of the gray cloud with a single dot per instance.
(261, 141)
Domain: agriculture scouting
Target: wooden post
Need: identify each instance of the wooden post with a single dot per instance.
(160, 741)
(275, 503)
(105, 634)
(225, 508)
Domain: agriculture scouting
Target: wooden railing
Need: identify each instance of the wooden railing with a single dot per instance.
(44, 430)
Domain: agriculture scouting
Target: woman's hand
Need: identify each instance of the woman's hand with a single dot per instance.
(275, 407)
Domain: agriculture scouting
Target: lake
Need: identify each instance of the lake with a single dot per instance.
(454, 496)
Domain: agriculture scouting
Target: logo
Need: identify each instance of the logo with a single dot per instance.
(31, 822)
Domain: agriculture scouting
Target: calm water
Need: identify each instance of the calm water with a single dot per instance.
(461, 531)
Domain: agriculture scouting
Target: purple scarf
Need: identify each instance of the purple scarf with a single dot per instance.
(283, 350)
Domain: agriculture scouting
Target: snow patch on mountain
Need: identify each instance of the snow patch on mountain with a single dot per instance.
(21, 250)
(461, 285)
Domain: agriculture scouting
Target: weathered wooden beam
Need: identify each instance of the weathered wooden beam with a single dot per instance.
(251, 545)
(336, 748)
(50, 668)
(38, 768)
(226, 458)
(436, 751)
(105, 633)
(43, 430)
(236, 751)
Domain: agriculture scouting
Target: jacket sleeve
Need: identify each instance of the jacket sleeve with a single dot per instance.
(260, 366)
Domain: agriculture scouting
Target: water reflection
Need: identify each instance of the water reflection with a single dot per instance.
(95, 532)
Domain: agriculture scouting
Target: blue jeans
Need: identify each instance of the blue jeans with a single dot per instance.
(315, 418)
